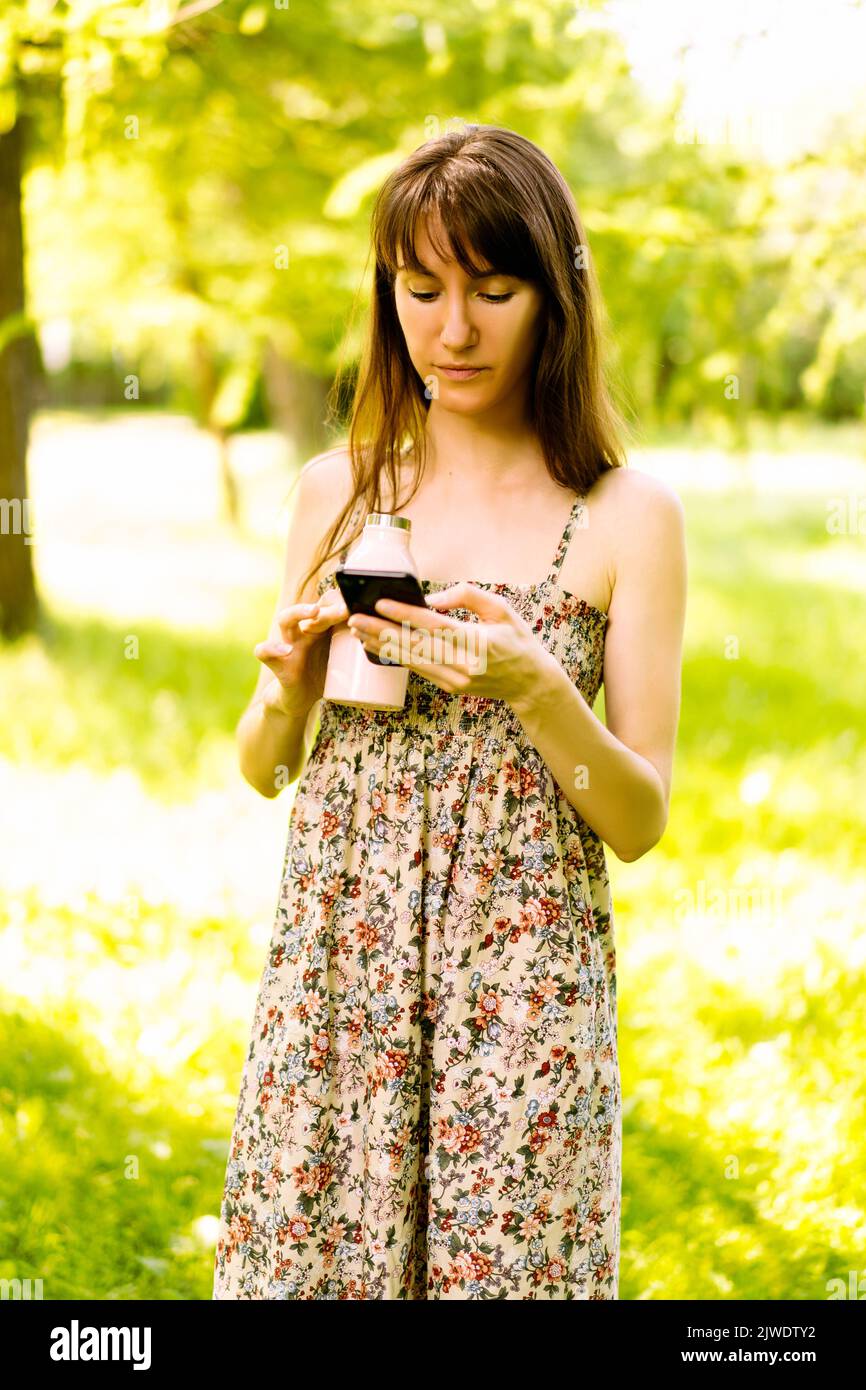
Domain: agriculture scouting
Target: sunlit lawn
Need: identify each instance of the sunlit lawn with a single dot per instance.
(140, 875)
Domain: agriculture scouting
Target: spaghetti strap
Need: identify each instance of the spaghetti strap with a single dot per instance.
(566, 537)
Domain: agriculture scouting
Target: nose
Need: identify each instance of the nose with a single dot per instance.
(458, 332)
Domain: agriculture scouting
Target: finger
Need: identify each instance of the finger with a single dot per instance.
(336, 607)
(467, 595)
(443, 676)
(448, 594)
(413, 614)
(291, 616)
(315, 622)
(447, 676)
(305, 619)
(364, 624)
(272, 651)
(438, 625)
(325, 618)
(332, 596)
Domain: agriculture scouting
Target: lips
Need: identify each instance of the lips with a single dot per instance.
(460, 372)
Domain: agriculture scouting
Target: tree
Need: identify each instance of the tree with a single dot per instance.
(54, 61)
(18, 601)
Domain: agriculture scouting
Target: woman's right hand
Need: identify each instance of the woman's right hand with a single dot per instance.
(300, 661)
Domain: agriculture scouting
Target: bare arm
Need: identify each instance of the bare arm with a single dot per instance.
(271, 732)
(618, 776)
(271, 741)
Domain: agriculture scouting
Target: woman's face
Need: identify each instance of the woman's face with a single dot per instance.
(449, 319)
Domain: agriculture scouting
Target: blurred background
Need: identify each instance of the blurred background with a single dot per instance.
(184, 200)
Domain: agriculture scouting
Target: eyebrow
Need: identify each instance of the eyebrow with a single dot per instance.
(420, 269)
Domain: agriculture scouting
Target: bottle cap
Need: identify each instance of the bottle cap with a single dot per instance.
(388, 519)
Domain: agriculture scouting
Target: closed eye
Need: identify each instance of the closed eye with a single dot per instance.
(427, 295)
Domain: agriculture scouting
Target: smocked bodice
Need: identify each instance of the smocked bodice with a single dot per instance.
(569, 627)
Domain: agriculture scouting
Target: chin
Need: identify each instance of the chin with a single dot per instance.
(456, 407)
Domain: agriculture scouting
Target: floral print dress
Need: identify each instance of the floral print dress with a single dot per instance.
(430, 1105)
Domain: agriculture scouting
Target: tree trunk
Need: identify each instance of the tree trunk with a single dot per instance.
(297, 400)
(19, 605)
(207, 385)
(228, 481)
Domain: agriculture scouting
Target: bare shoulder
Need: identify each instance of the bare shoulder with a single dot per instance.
(638, 512)
(627, 494)
(644, 524)
(319, 494)
(324, 486)
(328, 477)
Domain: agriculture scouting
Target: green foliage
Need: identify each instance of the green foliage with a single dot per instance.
(215, 178)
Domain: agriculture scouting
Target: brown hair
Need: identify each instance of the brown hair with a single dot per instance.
(498, 195)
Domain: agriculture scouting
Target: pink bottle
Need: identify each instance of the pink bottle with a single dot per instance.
(352, 679)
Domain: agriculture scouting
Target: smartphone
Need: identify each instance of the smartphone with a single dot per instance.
(362, 590)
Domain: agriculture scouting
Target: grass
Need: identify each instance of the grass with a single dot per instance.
(142, 874)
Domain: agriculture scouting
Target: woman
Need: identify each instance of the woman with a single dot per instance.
(430, 1106)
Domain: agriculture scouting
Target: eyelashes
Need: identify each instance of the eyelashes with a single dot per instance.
(426, 296)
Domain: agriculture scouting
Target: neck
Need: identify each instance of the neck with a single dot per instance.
(479, 456)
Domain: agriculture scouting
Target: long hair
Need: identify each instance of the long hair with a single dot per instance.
(499, 196)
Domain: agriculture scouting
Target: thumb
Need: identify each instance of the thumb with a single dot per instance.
(467, 595)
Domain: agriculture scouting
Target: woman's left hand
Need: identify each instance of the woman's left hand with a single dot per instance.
(498, 657)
